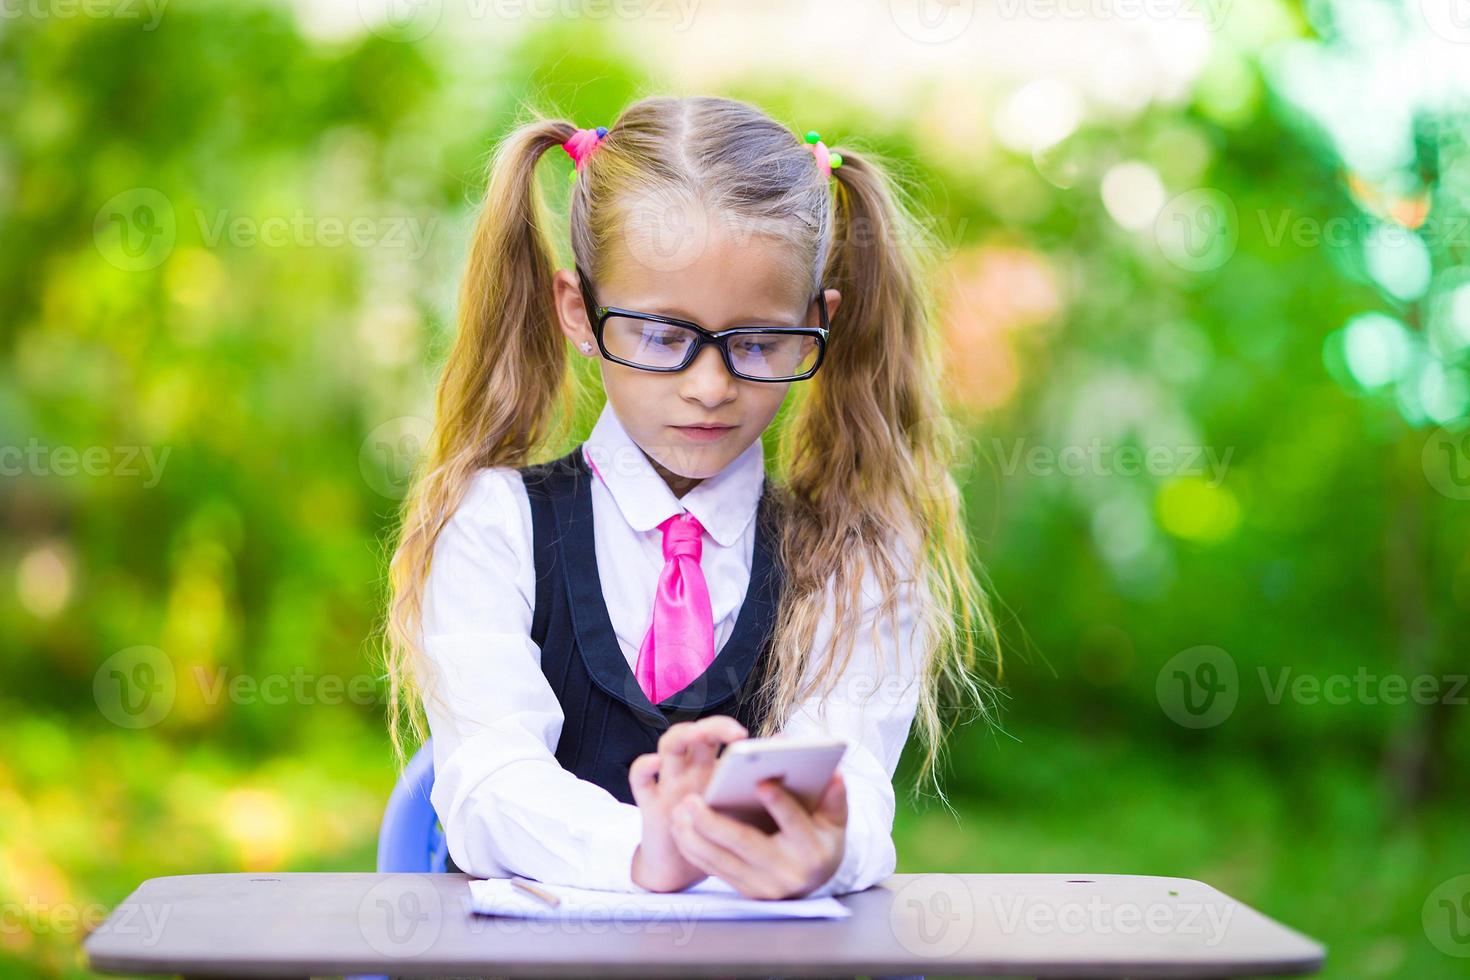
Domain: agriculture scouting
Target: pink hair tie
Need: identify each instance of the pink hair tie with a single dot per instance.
(827, 160)
(582, 143)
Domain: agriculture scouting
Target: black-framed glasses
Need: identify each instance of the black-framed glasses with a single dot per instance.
(653, 342)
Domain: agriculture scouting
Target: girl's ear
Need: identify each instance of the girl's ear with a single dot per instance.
(571, 312)
(834, 300)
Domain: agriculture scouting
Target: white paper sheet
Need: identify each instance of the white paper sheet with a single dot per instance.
(712, 898)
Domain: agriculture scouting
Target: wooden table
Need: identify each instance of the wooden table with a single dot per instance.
(314, 924)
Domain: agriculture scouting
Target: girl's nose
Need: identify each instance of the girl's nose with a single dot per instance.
(706, 378)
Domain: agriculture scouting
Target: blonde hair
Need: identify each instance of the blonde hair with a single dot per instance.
(862, 473)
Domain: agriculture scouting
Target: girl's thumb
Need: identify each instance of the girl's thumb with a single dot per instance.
(833, 806)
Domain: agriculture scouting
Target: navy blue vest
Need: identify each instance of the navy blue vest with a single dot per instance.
(609, 721)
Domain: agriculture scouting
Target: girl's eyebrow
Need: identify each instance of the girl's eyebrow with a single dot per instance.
(678, 314)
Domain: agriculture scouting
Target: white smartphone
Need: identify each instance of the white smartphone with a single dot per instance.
(804, 766)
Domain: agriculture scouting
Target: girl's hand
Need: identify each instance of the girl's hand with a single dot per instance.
(803, 853)
(660, 780)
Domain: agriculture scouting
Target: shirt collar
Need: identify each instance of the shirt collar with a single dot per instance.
(723, 503)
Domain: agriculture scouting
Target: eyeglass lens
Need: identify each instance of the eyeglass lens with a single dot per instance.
(665, 345)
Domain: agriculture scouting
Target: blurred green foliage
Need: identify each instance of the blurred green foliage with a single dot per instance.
(228, 260)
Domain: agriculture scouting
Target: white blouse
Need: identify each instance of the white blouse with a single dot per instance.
(506, 804)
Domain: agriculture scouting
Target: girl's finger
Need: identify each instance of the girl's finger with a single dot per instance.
(643, 778)
(696, 743)
(729, 832)
(753, 879)
(721, 728)
(673, 750)
(833, 806)
(676, 735)
(711, 858)
(701, 752)
(789, 813)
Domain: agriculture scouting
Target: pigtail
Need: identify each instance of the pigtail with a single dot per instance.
(504, 379)
(870, 452)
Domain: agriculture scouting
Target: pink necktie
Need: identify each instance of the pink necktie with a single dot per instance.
(680, 643)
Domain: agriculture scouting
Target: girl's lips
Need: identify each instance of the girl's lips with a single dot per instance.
(704, 434)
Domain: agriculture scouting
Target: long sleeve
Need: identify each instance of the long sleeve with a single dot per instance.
(872, 707)
(507, 805)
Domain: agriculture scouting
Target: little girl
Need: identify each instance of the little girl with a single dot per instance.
(584, 632)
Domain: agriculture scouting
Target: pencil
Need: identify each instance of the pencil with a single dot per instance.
(540, 893)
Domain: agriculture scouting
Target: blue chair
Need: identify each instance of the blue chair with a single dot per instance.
(410, 838)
